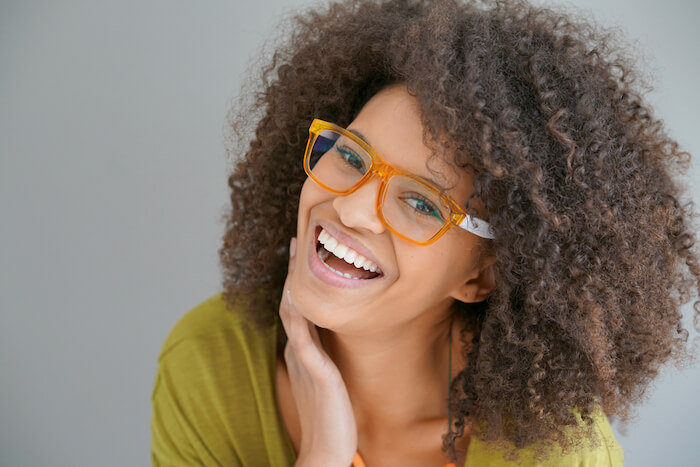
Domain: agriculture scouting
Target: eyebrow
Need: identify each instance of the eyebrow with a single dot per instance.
(363, 138)
(360, 135)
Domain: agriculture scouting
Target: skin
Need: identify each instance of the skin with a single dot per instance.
(354, 344)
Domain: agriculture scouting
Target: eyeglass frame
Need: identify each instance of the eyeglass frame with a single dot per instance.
(458, 216)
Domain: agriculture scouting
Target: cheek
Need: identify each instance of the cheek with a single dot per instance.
(424, 265)
(310, 196)
(435, 256)
(305, 194)
(438, 268)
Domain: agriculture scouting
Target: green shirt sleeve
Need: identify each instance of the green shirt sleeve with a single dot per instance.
(213, 398)
(186, 428)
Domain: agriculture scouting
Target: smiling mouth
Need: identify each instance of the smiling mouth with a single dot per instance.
(342, 260)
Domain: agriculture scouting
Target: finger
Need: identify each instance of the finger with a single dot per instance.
(298, 329)
(284, 317)
(316, 338)
(292, 255)
(284, 312)
(305, 340)
(287, 317)
(292, 247)
(290, 309)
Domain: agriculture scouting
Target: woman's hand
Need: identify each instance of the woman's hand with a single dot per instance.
(328, 428)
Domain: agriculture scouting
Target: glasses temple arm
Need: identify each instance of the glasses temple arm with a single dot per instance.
(480, 227)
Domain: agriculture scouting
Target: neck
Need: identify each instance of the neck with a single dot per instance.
(397, 377)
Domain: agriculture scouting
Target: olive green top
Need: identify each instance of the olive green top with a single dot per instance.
(214, 401)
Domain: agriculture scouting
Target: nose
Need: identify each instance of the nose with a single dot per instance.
(358, 210)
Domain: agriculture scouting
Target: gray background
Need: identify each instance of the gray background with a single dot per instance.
(112, 184)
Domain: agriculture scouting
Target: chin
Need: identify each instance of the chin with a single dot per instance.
(319, 312)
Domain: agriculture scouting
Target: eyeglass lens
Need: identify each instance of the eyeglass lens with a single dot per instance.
(409, 207)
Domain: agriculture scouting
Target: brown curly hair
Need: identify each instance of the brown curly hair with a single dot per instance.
(594, 249)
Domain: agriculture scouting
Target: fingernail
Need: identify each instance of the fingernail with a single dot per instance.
(289, 297)
(292, 247)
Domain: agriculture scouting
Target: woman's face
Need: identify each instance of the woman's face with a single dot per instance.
(414, 280)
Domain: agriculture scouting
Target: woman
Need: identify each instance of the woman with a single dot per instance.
(486, 250)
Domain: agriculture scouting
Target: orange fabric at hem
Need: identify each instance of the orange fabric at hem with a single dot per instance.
(358, 462)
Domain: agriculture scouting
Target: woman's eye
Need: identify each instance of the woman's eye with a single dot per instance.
(352, 159)
(423, 206)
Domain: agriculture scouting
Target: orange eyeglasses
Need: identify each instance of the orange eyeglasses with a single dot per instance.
(410, 206)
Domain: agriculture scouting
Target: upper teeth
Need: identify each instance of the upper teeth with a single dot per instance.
(346, 253)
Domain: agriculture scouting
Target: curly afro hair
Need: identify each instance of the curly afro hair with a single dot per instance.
(594, 254)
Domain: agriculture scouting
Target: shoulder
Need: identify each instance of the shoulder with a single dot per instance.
(602, 450)
(209, 321)
(200, 320)
(211, 396)
(213, 345)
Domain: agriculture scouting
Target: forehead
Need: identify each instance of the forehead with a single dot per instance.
(390, 122)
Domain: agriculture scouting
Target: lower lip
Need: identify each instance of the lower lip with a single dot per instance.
(329, 277)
